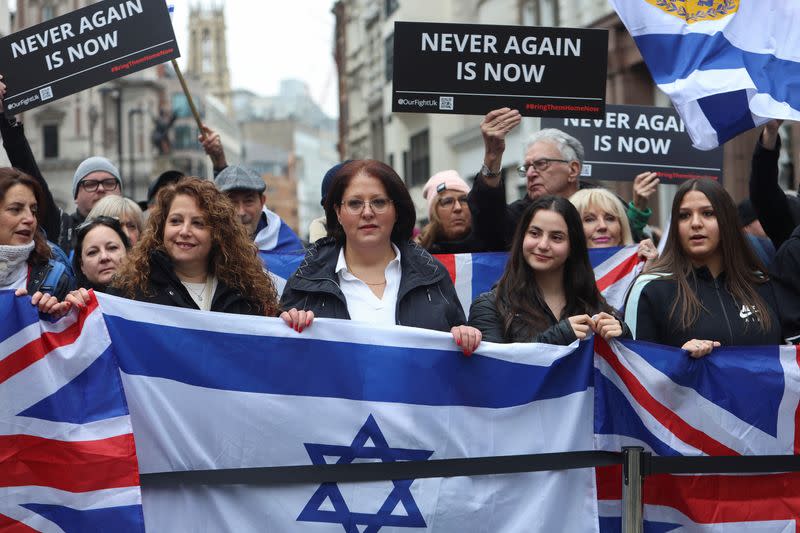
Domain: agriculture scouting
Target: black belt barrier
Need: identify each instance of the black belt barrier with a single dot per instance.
(474, 466)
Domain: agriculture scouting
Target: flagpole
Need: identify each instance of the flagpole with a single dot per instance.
(189, 99)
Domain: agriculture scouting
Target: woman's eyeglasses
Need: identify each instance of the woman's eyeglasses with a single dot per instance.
(450, 201)
(355, 206)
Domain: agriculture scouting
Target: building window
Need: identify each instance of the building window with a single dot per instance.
(391, 7)
(389, 54)
(185, 138)
(50, 137)
(420, 159)
(540, 13)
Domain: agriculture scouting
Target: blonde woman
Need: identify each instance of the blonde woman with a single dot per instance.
(605, 223)
(123, 209)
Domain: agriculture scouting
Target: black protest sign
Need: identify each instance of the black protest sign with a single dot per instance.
(635, 139)
(473, 68)
(84, 48)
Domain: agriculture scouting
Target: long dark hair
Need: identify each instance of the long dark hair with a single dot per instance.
(10, 177)
(83, 230)
(518, 294)
(396, 190)
(743, 269)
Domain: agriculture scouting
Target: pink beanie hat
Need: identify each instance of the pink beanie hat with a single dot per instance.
(446, 180)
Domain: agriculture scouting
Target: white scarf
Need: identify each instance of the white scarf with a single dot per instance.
(11, 259)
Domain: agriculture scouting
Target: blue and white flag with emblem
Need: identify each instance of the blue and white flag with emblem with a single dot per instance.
(219, 391)
(727, 65)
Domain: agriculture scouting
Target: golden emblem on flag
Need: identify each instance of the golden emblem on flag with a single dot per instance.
(697, 10)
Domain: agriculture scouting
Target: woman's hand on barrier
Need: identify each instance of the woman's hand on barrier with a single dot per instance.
(79, 297)
(47, 304)
(467, 338)
(582, 325)
(607, 326)
(298, 320)
(699, 348)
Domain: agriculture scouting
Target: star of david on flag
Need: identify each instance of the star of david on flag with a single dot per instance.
(358, 449)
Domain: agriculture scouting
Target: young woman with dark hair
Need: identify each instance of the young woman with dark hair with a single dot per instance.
(369, 269)
(547, 292)
(194, 253)
(708, 288)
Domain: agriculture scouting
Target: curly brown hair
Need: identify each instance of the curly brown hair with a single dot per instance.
(233, 258)
(8, 178)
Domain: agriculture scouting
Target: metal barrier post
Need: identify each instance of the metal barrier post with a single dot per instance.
(632, 481)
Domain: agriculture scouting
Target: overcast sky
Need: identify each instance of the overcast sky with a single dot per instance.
(271, 40)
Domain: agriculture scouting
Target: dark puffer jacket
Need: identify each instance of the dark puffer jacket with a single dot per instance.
(166, 289)
(426, 298)
(483, 314)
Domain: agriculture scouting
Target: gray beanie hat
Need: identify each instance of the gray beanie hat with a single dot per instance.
(234, 177)
(93, 164)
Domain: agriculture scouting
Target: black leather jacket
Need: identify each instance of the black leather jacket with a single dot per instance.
(426, 298)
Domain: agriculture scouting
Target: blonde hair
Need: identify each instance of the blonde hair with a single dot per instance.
(118, 207)
(608, 202)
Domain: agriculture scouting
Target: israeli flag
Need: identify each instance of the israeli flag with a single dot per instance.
(727, 65)
(218, 391)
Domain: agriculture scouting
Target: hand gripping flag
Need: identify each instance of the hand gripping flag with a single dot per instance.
(736, 401)
(67, 455)
(215, 391)
(727, 65)
(472, 274)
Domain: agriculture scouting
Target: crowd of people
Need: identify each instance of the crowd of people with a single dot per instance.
(196, 246)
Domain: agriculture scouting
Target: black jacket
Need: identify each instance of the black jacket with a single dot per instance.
(777, 212)
(725, 320)
(166, 289)
(786, 279)
(483, 314)
(426, 298)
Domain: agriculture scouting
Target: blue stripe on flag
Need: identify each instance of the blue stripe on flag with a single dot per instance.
(96, 394)
(13, 317)
(598, 256)
(309, 367)
(613, 415)
(487, 268)
(728, 113)
(117, 519)
(675, 57)
(725, 378)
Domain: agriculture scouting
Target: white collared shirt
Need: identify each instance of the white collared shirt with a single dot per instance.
(362, 304)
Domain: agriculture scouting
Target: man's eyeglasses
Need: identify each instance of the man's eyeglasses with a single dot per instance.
(450, 201)
(540, 165)
(108, 184)
(355, 206)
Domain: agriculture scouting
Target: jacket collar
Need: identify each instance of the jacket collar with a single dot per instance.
(319, 265)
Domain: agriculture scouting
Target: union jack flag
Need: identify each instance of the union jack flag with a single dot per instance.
(736, 401)
(67, 455)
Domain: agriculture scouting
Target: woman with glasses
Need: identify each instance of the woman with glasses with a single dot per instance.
(195, 254)
(451, 229)
(26, 264)
(547, 292)
(368, 269)
(126, 211)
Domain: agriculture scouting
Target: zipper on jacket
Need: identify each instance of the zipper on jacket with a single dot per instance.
(724, 312)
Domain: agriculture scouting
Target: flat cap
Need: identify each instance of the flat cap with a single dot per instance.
(235, 177)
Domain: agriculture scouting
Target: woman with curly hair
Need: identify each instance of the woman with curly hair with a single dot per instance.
(195, 254)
